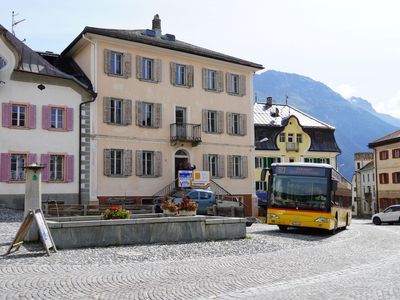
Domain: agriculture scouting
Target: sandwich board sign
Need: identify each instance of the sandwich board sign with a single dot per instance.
(44, 232)
(185, 178)
(201, 179)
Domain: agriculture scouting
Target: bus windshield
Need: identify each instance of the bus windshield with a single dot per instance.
(299, 192)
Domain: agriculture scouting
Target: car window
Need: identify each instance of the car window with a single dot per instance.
(193, 195)
(389, 209)
(396, 208)
(205, 195)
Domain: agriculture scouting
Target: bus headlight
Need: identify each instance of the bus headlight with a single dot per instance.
(322, 220)
(273, 216)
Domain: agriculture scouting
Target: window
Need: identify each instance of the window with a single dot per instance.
(116, 111)
(235, 84)
(57, 118)
(237, 124)
(148, 114)
(290, 138)
(117, 63)
(358, 165)
(384, 178)
(363, 178)
(215, 164)
(148, 69)
(282, 137)
(17, 167)
(396, 153)
(213, 80)
(18, 115)
(299, 138)
(383, 155)
(259, 162)
(261, 185)
(181, 75)
(396, 177)
(148, 163)
(368, 177)
(56, 168)
(237, 166)
(317, 160)
(117, 162)
(213, 121)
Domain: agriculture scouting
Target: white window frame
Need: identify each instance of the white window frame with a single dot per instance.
(148, 163)
(236, 124)
(213, 165)
(18, 173)
(259, 162)
(115, 111)
(212, 117)
(116, 61)
(147, 117)
(237, 166)
(282, 137)
(234, 83)
(299, 138)
(114, 162)
(148, 69)
(212, 80)
(181, 74)
(21, 116)
(290, 138)
(56, 167)
(59, 117)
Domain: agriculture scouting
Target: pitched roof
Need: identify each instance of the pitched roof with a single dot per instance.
(368, 166)
(387, 139)
(31, 62)
(163, 41)
(277, 114)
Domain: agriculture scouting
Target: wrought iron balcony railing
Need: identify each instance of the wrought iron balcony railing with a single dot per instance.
(186, 133)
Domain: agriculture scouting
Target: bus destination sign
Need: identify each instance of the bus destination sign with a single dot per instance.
(302, 171)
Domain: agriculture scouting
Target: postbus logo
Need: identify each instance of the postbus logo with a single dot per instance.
(3, 62)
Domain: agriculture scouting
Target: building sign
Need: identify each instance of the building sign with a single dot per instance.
(201, 179)
(185, 177)
(3, 62)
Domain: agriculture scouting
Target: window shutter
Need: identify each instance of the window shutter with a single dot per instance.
(205, 120)
(243, 124)
(173, 73)
(107, 110)
(45, 117)
(127, 111)
(242, 85)
(158, 164)
(206, 163)
(127, 162)
(139, 171)
(45, 161)
(5, 166)
(69, 169)
(107, 61)
(139, 66)
(189, 76)
(157, 70)
(220, 121)
(107, 162)
(229, 123)
(221, 166)
(230, 165)
(32, 158)
(205, 81)
(138, 117)
(244, 167)
(6, 114)
(32, 116)
(220, 81)
(228, 83)
(127, 63)
(158, 115)
(70, 118)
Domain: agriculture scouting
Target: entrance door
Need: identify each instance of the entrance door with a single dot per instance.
(180, 120)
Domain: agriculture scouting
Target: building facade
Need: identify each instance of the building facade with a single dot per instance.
(40, 124)
(364, 191)
(387, 169)
(163, 104)
(286, 134)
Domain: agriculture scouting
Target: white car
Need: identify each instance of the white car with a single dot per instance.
(389, 215)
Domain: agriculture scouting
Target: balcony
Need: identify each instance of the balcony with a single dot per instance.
(185, 133)
(291, 146)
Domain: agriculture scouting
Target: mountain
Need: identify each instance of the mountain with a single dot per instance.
(364, 104)
(355, 126)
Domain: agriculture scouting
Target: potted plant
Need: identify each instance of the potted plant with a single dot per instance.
(187, 207)
(115, 212)
(169, 207)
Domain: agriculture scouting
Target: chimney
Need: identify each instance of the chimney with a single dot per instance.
(157, 25)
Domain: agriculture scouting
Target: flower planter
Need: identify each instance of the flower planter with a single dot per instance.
(168, 212)
(187, 212)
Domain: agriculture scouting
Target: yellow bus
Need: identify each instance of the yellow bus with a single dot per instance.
(307, 195)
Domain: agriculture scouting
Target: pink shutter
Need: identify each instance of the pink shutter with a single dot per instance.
(32, 158)
(69, 171)
(6, 115)
(5, 166)
(45, 117)
(45, 161)
(32, 116)
(70, 118)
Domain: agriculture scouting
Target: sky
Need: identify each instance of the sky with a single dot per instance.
(353, 46)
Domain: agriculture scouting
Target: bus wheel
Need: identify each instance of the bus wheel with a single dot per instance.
(347, 222)
(334, 230)
(282, 227)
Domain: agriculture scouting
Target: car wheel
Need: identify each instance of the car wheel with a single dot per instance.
(282, 227)
(377, 221)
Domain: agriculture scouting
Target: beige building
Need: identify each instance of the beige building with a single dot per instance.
(162, 104)
(363, 193)
(387, 169)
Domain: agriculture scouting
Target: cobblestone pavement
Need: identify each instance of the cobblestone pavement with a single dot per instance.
(358, 263)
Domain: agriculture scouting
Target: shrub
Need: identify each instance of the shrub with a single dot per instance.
(169, 205)
(115, 212)
(187, 204)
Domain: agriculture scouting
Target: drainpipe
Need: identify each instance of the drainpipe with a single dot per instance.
(94, 95)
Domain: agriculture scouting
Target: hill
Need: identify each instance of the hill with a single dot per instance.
(355, 125)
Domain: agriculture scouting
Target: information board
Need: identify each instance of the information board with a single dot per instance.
(185, 178)
(201, 179)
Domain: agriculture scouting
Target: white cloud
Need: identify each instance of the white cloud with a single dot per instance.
(346, 90)
(391, 106)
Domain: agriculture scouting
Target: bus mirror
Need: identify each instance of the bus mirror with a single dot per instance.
(263, 174)
(334, 185)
